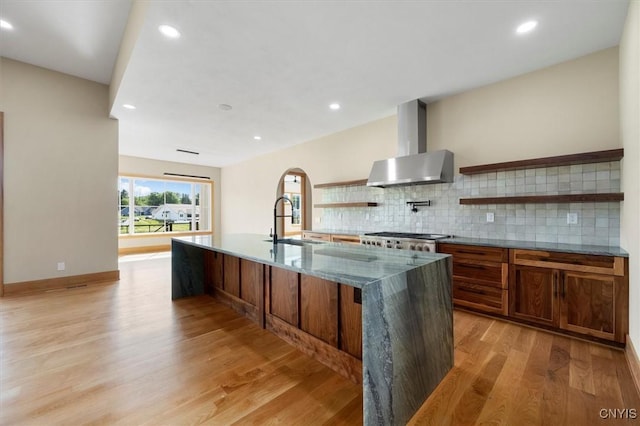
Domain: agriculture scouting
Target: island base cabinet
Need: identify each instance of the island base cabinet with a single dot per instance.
(282, 295)
(319, 308)
(351, 320)
(251, 274)
(211, 271)
(237, 283)
(305, 311)
(232, 275)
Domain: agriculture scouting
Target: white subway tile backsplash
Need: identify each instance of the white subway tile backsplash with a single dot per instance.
(598, 223)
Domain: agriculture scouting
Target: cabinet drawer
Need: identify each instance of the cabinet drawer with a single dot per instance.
(569, 261)
(479, 272)
(480, 297)
(459, 251)
(318, 236)
(345, 238)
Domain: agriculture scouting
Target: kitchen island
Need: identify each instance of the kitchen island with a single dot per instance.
(380, 317)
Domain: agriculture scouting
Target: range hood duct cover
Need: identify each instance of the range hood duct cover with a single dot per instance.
(413, 166)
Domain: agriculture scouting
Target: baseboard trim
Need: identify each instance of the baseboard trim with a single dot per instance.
(41, 286)
(144, 249)
(633, 361)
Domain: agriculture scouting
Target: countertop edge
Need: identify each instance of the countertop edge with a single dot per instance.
(532, 245)
(597, 250)
(328, 276)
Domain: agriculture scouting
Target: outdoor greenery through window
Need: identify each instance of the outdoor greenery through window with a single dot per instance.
(155, 206)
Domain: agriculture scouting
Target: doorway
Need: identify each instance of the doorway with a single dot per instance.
(294, 184)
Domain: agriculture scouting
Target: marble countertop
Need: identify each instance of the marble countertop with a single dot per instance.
(335, 231)
(517, 244)
(348, 264)
(533, 245)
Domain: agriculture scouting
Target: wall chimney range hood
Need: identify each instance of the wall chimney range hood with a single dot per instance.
(413, 165)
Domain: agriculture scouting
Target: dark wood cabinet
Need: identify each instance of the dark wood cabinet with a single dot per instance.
(588, 304)
(584, 294)
(218, 269)
(231, 275)
(350, 315)
(319, 308)
(213, 265)
(321, 318)
(283, 295)
(251, 274)
(479, 277)
(533, 294)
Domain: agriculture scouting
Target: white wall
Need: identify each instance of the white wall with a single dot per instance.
(155, 168)
(61, 163)
(249, 188)
(630, 131)
(568, 108)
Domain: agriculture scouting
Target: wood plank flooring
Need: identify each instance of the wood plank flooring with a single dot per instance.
(124, 353)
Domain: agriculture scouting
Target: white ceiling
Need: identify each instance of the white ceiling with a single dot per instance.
(280, 63)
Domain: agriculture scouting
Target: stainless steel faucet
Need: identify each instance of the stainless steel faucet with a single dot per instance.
(274, 232)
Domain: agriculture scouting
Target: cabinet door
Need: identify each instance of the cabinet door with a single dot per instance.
(232, 275)
(588, 304)
(351, 320)
(218, 269)
(208, 271)
(319, 308)
(533, 294)
(283, 295)
(251, 281)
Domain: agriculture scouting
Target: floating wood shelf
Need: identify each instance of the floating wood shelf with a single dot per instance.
(356, 204)
(562, 160)
(531, 199)
(344, 183)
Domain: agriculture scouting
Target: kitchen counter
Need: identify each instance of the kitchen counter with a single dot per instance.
(518, 244)
(407, 309)
(538, 245)
(354, 265)
(335, 231)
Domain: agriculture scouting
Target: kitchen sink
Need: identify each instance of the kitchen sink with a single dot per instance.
(295, 242)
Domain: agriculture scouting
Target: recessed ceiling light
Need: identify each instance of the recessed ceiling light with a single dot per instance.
(334, 106)
(257, 138)
(169, 31)
(526, 27)
(129, 106)
(225, 107)
(5, 25)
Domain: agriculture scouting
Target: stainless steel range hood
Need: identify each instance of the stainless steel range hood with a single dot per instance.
(413, 166)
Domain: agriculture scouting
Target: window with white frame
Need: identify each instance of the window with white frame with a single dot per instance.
(156, 206)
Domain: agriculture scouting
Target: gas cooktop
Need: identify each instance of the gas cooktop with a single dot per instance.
(407, 235)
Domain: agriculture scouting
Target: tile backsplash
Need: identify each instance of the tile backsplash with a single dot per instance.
(598, 223)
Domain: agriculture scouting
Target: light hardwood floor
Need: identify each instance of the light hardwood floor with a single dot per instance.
(124, 353)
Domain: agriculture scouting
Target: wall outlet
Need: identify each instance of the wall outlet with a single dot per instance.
(61, 266)
(572, 218)
(490, 217)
